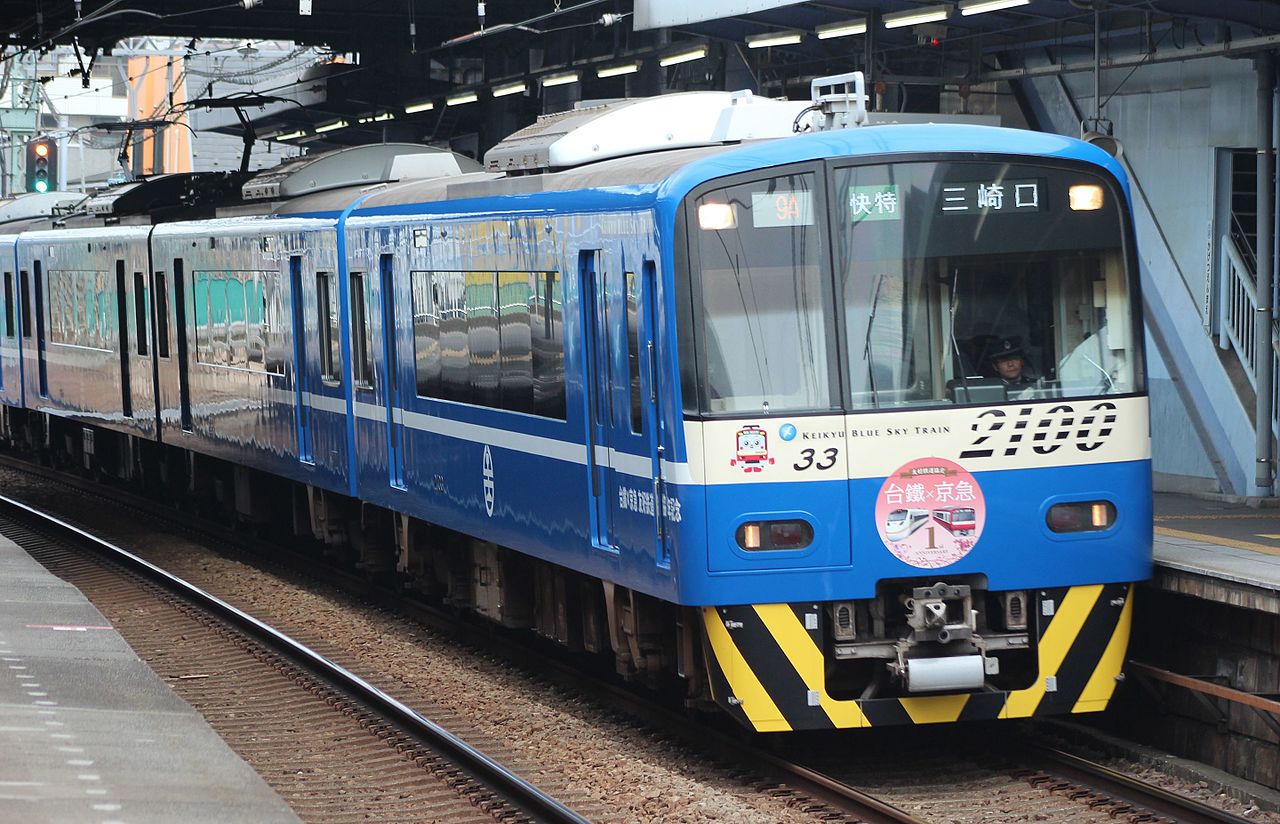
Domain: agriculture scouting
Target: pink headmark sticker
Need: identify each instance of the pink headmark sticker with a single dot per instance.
(930, 512)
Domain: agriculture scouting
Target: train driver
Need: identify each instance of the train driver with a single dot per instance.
(1010, 364)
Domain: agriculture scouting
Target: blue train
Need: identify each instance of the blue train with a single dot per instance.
(841, 428)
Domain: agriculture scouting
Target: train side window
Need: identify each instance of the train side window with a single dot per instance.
(546, 309)
(482, 337)
(426, 334)
(633, 350)
(9, 319)
(140, 306)
(160, 286)
(237, 322)
(327, 326)
(361, 350)
(515, 340)
(455, 348)
(24, 285)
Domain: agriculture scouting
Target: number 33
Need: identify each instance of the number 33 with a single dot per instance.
(828, 459)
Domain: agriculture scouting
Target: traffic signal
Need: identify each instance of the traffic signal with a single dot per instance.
(42, 164)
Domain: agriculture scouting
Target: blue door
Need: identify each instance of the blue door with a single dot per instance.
(301, 366)
(392, 379)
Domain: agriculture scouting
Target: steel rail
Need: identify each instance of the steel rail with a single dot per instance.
(1178, 808)
(527, 798)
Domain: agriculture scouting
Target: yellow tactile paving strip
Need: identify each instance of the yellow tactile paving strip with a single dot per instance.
(1214, 539)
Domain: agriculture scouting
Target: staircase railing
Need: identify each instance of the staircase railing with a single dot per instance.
(1239, 304)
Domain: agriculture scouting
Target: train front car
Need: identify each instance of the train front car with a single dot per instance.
(913, 389)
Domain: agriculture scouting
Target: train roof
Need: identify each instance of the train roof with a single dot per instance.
(669, 175)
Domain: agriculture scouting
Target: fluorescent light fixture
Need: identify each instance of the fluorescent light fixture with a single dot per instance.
(384, 116)
(424, 106)
(510, 88)
(968, 7)
(560, 79)
(614, 71)
(845, 29)
(773, 38)
(683, 56)
(932, 14)
(459, 99)
(291, 135)
(328, 127)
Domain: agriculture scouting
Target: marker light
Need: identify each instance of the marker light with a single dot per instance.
(932, 14)
(713, 217)
(845, 29)
(1081, 516)
(1085, 197)
(769, 536)
(42, 149)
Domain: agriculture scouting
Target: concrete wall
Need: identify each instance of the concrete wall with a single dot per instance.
(1172, 118)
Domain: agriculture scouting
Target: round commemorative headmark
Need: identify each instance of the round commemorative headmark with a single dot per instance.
(930, 512)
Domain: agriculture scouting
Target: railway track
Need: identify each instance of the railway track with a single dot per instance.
(1039, 786)
(320, 719)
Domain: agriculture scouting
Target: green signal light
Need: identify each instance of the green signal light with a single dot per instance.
(42, 186)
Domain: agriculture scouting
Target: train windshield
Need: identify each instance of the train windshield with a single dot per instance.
(927, 283)
(982, 283)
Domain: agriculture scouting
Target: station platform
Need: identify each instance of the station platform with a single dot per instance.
(90, 734)
(1218, 550)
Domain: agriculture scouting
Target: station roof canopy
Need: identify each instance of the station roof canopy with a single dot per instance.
(410, 54)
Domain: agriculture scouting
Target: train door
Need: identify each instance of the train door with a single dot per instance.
(180, 341)
(31, 301)
(625, 460)
(391, 364)
(122, 325)
(651, 399)
(599, 391)
(301, 364)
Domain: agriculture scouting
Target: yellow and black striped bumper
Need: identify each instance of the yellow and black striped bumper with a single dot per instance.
(767, 668)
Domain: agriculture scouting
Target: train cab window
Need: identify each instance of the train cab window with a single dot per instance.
(9, 318)
(160, 286)
(982, 282)
(633, 350)
(361, 346)
(760, 272)
(327, 324)
(141, 307)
